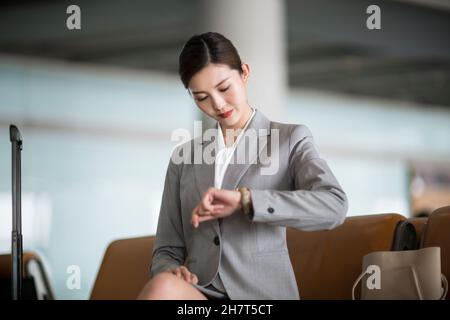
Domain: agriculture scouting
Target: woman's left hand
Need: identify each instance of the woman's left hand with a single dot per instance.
(216, 203)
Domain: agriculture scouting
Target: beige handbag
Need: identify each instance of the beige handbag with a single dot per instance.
(402, 275)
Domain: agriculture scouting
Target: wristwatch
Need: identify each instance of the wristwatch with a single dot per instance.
(246, 203)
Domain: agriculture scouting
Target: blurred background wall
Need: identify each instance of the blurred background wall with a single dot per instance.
(97, 108)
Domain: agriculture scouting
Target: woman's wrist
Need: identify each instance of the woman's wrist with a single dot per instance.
(246, 201)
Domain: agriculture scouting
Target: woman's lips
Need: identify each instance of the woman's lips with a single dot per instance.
(226, 114)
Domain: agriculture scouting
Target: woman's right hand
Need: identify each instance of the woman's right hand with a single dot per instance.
(183, 273)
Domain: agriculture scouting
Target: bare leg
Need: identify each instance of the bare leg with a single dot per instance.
(167, 286)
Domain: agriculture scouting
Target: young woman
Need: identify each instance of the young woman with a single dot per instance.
(222, 225)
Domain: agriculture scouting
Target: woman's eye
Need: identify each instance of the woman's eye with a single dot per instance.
(223, 90)
(201, 99)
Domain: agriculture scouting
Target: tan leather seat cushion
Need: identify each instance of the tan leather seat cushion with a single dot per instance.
(124, 269)
(6, 263)
(326, 263)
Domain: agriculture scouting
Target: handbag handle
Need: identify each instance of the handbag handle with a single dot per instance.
(416, 283)
(355, 284)
(445, 285)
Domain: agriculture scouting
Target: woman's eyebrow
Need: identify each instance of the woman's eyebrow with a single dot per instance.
(195, 92)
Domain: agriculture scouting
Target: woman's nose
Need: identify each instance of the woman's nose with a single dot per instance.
(218, 103)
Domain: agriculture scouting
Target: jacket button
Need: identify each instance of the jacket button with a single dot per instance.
(216, 240)
(270, 209)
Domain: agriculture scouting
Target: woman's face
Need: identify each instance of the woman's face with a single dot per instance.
(221, 93)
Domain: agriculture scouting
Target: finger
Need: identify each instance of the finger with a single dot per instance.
(177, 272)
(195, 210)
(200, 211)
(183, 273)
(194, 216)
(212, 208)
(194, 278)
(206, 202)
(189, 276)
(200, 216)
(206, 218)
(218, 208)
(205, 213)
(195, 221)
(186, 274)
(213, 213)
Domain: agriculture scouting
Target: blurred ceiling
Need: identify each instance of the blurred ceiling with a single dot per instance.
(329, 46)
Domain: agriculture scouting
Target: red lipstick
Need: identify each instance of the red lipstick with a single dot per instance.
(226, 114)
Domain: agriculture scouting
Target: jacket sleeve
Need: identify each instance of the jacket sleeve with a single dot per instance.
(169, 249)
(317, 201)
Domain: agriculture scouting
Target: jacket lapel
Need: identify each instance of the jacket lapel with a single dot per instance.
(252, 144)
(204, 171)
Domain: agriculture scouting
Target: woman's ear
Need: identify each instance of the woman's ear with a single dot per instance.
(245, 72)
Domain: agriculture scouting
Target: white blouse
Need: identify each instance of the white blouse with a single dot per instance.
(224, 153)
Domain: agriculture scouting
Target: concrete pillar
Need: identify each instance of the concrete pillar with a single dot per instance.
(258, 30)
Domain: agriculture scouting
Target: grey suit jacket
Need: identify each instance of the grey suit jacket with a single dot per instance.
(297, 189)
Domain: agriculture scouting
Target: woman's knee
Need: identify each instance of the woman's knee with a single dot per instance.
(166, 286)
(159, 287)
